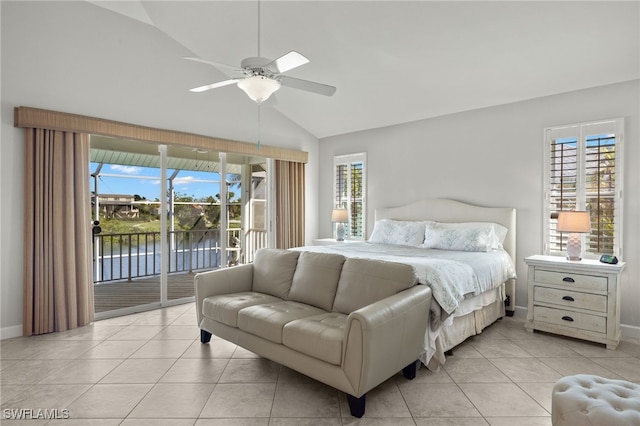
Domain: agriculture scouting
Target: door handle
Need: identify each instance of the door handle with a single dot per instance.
(567, 318)
(568, 280)
(568, 298)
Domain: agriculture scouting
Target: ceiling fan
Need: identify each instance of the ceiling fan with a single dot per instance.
(260, 77)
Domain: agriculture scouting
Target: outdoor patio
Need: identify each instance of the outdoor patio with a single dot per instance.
(123, 294)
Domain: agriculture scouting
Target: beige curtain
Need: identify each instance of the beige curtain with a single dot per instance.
(289, 201)
(58, 287)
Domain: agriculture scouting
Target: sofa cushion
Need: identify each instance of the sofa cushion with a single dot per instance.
(267, 321)
(316, 279)
(273, 271)
(224, 308)
(365, 281)
(319, 336)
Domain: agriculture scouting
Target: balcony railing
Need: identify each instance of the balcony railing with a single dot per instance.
(132, 255)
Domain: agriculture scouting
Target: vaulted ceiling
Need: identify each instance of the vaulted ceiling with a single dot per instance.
(394, 62)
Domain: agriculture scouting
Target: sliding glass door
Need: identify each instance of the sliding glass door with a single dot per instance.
(166, 215)
(127, 234)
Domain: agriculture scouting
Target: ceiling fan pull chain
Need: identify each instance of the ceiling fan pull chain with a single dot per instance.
(258, 146)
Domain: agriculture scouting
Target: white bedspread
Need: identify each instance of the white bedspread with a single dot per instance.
(452, 275)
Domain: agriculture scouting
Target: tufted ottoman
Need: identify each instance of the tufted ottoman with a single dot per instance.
(591, 400)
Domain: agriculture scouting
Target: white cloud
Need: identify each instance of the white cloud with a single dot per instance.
(129, 170)
(183, 180)
(177, 181)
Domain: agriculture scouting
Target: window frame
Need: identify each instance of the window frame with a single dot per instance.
(349, 159)
(581, 131)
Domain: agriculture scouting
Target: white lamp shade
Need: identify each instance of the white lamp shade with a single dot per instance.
(574, 221)
(339, 216)
(258, 87)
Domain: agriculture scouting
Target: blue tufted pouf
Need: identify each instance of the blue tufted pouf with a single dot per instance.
(592, 400)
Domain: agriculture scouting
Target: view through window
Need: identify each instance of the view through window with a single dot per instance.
(584, 172)
(350, 191)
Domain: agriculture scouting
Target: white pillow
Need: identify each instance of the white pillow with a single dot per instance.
(500, 233)
(400, 232)
(465, 236)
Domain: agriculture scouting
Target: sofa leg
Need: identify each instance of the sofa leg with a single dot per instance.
(356, 405)
(205, 336)
(409, 372)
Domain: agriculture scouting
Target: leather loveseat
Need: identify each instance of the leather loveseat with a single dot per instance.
(349, 323)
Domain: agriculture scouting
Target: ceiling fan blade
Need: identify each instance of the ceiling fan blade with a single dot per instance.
(214, 85)
(309, 86)
(225, 69)
(288, 62)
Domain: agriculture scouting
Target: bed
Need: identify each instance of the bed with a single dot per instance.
(473, 278)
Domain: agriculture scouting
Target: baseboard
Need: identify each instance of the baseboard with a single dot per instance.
(520, 313)
(9, 332)
(630, 333)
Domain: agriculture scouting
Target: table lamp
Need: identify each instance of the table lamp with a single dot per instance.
(339, 216)
(576, 223)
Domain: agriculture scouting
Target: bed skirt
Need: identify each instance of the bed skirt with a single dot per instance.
(462, 327)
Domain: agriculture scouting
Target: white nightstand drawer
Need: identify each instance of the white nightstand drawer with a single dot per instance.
(568, 318)
(569, 279)
(573, 299)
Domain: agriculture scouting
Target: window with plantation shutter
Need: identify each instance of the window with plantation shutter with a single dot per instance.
(584, 172)
(349, 191)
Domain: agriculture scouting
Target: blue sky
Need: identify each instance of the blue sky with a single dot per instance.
(145, 181)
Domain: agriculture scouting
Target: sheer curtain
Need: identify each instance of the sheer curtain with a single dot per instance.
(289, 201)
(58, 287)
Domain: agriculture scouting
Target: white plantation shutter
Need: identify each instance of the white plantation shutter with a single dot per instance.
(349, 191)
(584, 172)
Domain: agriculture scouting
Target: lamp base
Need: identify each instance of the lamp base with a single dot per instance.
(574, 247)
(340, 231)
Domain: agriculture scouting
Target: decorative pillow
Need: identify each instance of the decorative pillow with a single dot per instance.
(400, 232)
(465, 236)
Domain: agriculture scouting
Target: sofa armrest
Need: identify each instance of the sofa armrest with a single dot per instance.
(384, 337)
(221, 281)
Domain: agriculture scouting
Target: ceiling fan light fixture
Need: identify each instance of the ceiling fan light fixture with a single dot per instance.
(259, 87)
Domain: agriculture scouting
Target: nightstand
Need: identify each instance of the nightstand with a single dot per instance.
(574, 298)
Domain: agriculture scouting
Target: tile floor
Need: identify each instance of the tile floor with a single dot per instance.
(150, 369)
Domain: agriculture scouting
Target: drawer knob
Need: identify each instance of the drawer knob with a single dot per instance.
(568, 280)
(568, 298)
(567, 318)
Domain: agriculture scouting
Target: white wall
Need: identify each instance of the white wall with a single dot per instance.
(78, 58)
(494, 157)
